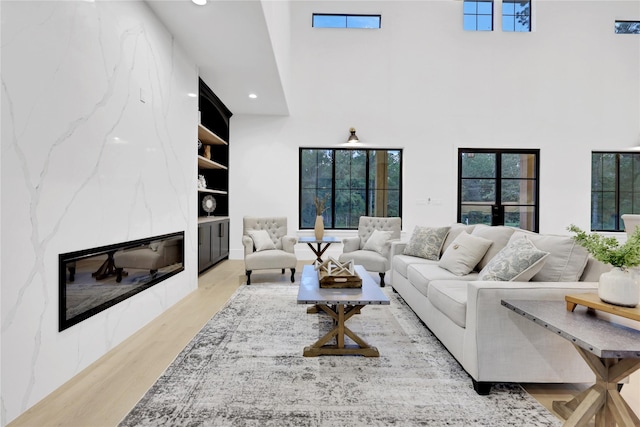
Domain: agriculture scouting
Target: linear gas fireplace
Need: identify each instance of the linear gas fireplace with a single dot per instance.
(92, 280)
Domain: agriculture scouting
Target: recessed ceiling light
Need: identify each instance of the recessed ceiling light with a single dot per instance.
(192, 95)
(199, 2)
(253, 96)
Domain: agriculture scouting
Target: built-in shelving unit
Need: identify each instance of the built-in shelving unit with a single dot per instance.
(213, 161)
(204, 163)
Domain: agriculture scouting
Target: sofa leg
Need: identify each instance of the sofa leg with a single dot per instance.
(293, 272)
(381, 280)
(483, 388)
(248, 277)
(283, 271)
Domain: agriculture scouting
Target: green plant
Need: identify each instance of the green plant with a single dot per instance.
(608, 249)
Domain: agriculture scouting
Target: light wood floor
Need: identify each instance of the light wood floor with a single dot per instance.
(107, 390)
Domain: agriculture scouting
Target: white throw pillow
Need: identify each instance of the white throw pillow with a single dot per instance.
(464, 253)
(261, 240)
(519, 261)
(426, 242)
(377, 241)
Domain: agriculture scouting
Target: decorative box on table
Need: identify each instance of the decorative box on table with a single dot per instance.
(333, 274)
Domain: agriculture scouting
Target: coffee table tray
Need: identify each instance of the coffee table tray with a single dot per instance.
(592, 301)
(340, 280)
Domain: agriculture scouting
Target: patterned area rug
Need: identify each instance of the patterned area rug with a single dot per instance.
(245, 368)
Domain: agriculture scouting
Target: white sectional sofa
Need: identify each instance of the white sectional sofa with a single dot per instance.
(492, 343)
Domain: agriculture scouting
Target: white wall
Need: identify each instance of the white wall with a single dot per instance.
(85, 163)
(423, 84)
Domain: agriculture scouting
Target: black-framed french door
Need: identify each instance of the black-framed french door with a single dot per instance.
(499, 187)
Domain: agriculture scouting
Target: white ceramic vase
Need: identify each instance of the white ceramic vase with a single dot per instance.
(319, 227)
(619, 287)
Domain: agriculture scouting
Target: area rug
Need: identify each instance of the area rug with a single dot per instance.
(245, 368)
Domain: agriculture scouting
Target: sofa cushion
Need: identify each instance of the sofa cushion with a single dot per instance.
(426, 242)
(498, 234)
(519, 261)
(377, 241)
(566, 260)
(261, 240)
(464, 254)
(450, 297)
(454, 232)
(420, 275)
(402, 262)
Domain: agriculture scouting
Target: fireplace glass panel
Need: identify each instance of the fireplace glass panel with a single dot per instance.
(93, 280)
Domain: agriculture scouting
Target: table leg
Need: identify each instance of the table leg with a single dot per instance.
(319, 250)
(601, 400)
(340, 314)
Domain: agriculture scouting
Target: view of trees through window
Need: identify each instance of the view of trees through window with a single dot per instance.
(615, 189)
(498, 187)
(351, 182)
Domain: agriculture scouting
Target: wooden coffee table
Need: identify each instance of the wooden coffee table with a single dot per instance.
(341, 304)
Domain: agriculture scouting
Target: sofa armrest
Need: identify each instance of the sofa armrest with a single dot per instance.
(498, 338)
(247, 242)
(288, 242)
(351, 244)
(397, 247)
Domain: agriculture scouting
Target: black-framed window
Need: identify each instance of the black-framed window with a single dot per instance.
(352, 182)
(615, 188)
(516, 16)
(334, 20)
(478, 15)
(499, 187)
(627, 27)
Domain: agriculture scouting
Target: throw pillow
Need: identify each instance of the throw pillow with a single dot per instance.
(426, 242)
(261, 240)
(519, 261)
(498, 234)
(464, 253)
(566, 260)
(377, 241)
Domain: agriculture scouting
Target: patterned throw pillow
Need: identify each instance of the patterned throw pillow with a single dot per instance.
(426, 242)
(519, 261)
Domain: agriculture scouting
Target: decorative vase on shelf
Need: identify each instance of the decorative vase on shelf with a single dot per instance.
(319, 227)
(619, 287)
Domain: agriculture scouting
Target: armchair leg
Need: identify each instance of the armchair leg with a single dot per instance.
(283, 271)
(381, 280)
(248, 277)
(293, 272)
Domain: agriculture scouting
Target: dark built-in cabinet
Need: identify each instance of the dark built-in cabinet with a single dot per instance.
(213, 165)
(213, 241)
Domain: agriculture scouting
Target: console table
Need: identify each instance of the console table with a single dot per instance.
(612, 352)
(319, 250)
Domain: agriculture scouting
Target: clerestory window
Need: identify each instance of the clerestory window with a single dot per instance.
(478, 15)
(332, 20)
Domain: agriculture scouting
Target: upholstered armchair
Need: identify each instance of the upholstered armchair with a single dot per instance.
(267, 246)
(372, 247)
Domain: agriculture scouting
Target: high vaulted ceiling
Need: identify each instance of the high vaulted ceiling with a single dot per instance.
(231, 44)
